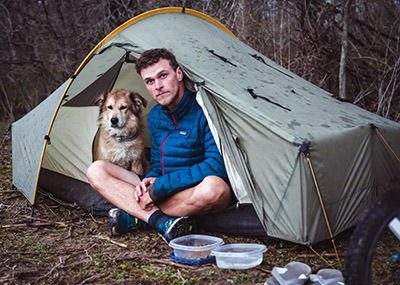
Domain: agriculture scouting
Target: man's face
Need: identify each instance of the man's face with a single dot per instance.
(164, 83)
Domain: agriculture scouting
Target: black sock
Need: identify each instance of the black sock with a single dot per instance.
(157, 218)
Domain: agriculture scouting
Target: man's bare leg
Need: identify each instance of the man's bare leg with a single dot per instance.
(213, 194)
(117, 185)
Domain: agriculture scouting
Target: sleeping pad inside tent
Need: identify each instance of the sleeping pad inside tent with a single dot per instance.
(302, 164)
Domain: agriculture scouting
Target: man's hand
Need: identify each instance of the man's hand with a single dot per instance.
(142, 193)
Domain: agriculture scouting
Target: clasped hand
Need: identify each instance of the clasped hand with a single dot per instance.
(142, 194)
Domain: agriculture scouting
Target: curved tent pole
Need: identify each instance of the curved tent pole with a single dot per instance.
(99, 45)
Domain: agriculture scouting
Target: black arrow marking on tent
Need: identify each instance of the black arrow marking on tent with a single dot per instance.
(221, 57)
(119, 45)
(259, 58)
(255, 96)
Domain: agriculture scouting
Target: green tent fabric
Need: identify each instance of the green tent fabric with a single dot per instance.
(282, 138)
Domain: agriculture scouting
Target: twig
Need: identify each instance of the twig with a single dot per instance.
(172, 263)
(9, 191)
(76, 263)
(38, 224)
(94, 220)
(309, 255)
(69, 233)
(62, 261)
(265, 270)
(12, 197)
(92, 278)
(180, 276)
(112, 241)
(48, 221)
(87, 252)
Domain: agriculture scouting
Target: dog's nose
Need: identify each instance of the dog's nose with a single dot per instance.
(114, 121)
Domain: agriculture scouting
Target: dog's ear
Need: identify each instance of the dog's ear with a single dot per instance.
(99, 101)
(138, 100)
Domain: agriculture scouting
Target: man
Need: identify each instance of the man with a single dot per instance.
(187, 175)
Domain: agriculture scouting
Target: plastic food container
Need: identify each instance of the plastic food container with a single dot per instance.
(327, 276)
(294, 273)
(194, 247)
(239, 255)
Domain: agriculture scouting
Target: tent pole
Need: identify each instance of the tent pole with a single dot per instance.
(385, 141)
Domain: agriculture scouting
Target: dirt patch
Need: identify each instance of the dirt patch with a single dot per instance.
(70, 246)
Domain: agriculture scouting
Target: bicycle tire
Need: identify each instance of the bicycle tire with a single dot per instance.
(362, 245)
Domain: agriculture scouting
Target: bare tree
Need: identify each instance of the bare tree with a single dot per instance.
(43, 42)
(343, 57)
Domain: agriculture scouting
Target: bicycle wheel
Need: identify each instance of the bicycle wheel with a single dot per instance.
(369, 255)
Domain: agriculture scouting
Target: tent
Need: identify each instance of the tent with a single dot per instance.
(308, 163)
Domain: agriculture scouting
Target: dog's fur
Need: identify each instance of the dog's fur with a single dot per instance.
(120, 131)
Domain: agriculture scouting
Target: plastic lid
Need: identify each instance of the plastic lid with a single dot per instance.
(210, 259)
(195, 242)
(293, 273)
(239, 249)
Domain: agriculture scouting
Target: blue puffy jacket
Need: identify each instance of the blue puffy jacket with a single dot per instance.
(183, 150)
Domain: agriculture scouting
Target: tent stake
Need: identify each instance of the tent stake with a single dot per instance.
(32, 214)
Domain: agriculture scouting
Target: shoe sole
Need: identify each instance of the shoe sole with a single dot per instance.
(113, 215)
(180, 227)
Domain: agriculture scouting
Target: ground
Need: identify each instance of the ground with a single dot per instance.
(67, 245)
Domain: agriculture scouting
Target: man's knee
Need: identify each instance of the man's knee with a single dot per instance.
(95, 172)
(213, 190)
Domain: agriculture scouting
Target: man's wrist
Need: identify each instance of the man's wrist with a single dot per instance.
(152, 193)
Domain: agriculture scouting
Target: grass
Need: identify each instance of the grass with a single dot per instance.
(74, 253)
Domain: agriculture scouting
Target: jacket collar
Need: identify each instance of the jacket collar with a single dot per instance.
(183, 106)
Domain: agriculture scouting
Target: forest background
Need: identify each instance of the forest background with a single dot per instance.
(350, 48)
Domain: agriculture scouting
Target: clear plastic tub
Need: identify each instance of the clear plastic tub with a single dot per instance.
(194, 247)
(239, 255)
(327, 276)
(294, 273)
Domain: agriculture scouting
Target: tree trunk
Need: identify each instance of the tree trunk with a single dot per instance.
(343, 56)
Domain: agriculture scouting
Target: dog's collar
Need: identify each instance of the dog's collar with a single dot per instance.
(126, 138)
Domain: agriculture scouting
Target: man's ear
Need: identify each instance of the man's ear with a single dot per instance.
(179, 73)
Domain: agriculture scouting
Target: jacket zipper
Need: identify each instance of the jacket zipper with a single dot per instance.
(162, 146)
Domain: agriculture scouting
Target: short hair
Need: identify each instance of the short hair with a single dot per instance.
(152, 56)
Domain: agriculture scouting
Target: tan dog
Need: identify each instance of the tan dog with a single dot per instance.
(120, 132)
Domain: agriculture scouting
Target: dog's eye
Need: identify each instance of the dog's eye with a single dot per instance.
(109, 107)
(122, 108)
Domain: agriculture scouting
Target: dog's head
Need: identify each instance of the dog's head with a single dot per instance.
(119, 111)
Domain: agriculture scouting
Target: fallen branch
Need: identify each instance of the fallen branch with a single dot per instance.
(62, 224)
(39, 224)
(264, 270)
(172, 263)
(62, 261)
(310, 255)
(113, 241)
(93, 278)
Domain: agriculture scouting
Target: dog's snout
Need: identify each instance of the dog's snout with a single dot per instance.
(114, 121)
